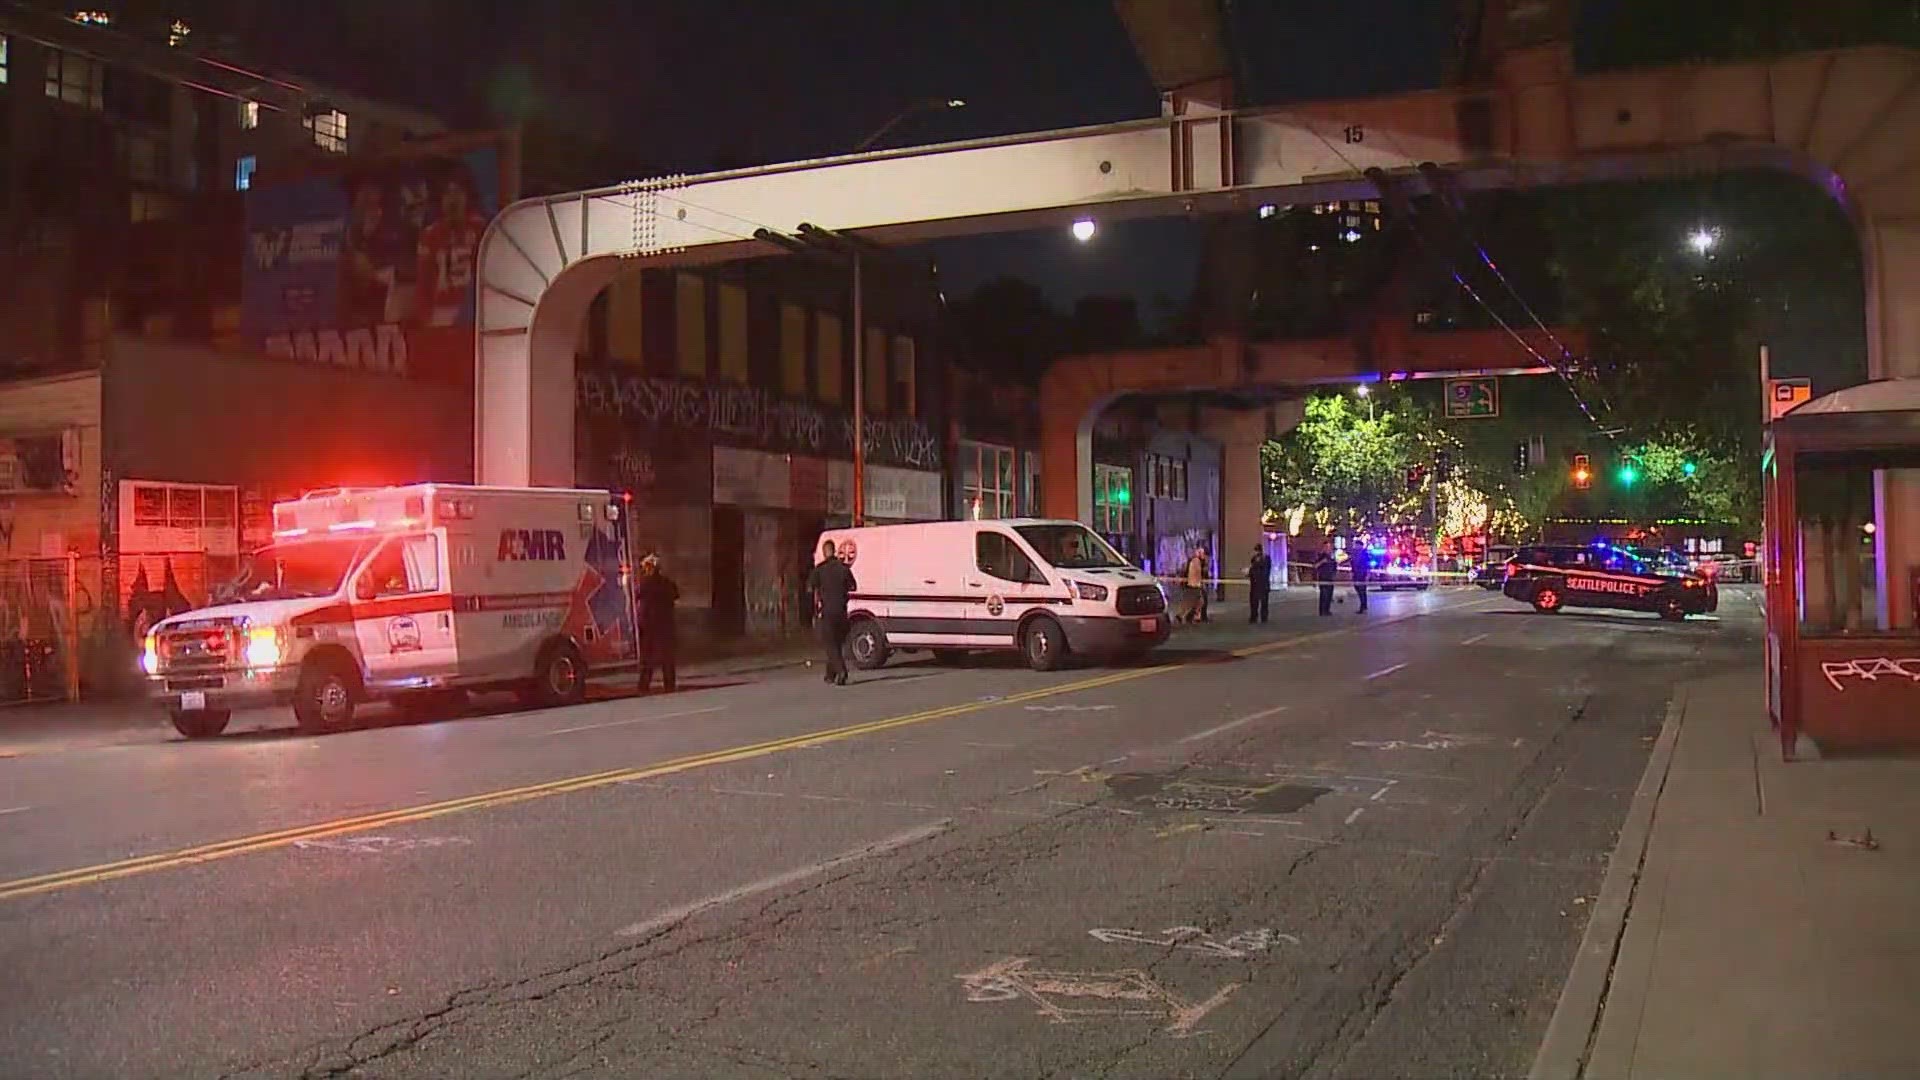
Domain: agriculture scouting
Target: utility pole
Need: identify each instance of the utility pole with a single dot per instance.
(859, 397)
(855, 252)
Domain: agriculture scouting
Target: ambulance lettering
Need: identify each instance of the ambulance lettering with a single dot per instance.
(523, 545)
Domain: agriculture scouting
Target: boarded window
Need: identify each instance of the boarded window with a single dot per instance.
(690, 325)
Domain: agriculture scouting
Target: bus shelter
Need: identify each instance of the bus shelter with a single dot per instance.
(1843, 570)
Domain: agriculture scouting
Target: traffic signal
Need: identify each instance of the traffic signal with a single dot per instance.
(1413, 478)
(1628, 474)
(1689, 468)
(1582, 472)
(1442, 467)
(1521, 459)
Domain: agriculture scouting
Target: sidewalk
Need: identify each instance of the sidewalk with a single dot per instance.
(1754, 945)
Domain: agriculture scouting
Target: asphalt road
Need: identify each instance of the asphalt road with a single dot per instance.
(1337, 847)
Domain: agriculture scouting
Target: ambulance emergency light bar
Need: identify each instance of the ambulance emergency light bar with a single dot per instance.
(347, 510)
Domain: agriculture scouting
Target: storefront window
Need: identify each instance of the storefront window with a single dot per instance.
(987, 484)
(1113, 500)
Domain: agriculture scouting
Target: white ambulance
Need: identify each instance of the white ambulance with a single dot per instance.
(1046, 588)
(415, 593)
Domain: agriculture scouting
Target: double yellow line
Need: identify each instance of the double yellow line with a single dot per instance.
(225, 849)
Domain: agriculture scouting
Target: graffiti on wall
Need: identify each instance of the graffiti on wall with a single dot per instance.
(749, 415)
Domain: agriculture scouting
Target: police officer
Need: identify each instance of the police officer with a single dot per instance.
(831, 583)
(1362, 570)
(653, 599)
(1259, 582)
(1325, 572)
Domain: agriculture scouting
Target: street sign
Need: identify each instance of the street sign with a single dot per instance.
(1472, 398)
(1784, 394)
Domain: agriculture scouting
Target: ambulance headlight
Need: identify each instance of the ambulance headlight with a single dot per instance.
(1089, 591)
(150, 656)
(263, 646)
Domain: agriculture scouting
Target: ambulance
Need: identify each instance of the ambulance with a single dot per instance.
(414, 594)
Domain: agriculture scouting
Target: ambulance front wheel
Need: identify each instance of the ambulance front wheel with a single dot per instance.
(325, 697)
(199, 723)
(867, 645)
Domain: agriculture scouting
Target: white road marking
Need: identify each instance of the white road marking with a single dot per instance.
(1231, 724)
(674, 916)
(1383, 672)
(1355, 816)
(630, 720)
(14, 810)
(1378, 795)
(1477, 637)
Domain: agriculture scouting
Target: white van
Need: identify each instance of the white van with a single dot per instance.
(1047, 588)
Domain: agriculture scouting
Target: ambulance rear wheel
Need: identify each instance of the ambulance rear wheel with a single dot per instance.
(199, 723)
(1044, 645)
(867, 645)
(324, 700)
(560, 678)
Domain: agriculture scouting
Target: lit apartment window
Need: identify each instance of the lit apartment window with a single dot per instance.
(75, 79)
(3, 59)
(148, 206)
(94, 18)
(177, 33)
(249, 115)
(329, 130)
(243, 172)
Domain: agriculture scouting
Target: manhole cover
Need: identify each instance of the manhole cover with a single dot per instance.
(1212, 794)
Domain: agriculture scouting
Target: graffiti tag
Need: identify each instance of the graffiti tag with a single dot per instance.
(1192, 938)
(1870, 670)
(1065, 997)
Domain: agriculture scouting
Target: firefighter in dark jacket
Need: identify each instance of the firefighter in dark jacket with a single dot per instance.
(653, 600)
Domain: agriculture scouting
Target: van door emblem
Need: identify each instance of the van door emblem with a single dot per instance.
(996, 604)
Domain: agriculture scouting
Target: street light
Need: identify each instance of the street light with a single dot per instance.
(918, 107)
(1703, 240)
(1084, 229)
(1366, 394)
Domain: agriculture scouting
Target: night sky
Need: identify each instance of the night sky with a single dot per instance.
(701, 84)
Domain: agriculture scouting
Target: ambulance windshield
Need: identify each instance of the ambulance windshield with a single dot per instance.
(1070, 547)
(293, 571)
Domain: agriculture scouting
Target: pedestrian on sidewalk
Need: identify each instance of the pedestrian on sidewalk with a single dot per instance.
(1259, 583)
(653, 600)
(1362, 570)
(831, 584)
(1197, 585)
(1325, 571)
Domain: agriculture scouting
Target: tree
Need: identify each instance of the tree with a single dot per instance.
(1346, 469)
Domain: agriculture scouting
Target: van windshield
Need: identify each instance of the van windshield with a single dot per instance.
(1070, 547)
(295, 571)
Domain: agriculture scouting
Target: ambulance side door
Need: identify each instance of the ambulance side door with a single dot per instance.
(403, 610)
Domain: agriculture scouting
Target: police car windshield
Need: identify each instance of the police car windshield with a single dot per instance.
(294, 571)
(1070, 547)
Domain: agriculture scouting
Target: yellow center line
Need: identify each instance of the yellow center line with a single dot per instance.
(242, 845)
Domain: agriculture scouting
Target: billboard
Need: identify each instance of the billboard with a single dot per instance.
(371, 266)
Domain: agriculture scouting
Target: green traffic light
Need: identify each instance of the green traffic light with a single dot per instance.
(1628, 474)
(1689, 468)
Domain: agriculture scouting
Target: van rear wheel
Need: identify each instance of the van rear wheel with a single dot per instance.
(1044, 645)
(867, 645)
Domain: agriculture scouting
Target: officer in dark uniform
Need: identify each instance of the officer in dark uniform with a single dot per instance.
(1259, 584)
(1362, 570)
(1325, 572)
(832, 584)
(653, 600)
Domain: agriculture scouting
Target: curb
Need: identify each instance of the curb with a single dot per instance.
(1576, 1019)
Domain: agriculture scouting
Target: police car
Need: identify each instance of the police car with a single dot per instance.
(1553, 577)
